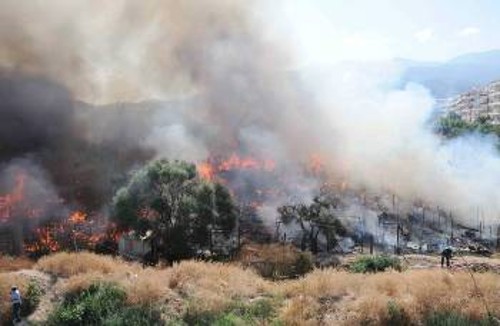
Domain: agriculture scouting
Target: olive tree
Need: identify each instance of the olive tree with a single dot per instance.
(169, 198)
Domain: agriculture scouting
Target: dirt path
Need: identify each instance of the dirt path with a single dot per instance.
(48, 300)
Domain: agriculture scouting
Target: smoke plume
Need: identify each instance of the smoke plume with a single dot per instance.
(92, 88)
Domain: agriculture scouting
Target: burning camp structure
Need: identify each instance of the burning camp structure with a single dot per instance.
(386, 224)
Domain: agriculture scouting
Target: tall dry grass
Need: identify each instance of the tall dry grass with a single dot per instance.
(343, 298)
(66, 264)
(213, 286)
(323, 297)
(6, 281)
(196, 285)
(9, 263)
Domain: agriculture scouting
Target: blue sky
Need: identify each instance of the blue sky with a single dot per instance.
(329, 31)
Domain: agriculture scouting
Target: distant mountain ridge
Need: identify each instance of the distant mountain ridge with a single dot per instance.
(447, 79)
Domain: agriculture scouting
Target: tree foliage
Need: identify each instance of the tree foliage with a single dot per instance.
(315, 219)
(453, 125)
(169, 198)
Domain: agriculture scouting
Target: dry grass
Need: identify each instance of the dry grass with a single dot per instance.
(10, 264)
(267, 252)
(202, 286)
(68, 264)
(343, 298)
(323, 297)
(213, 286)
(6, 281)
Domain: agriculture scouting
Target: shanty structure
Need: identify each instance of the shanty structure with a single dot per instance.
(132, 245)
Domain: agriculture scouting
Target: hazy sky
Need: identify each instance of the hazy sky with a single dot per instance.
(328, 31)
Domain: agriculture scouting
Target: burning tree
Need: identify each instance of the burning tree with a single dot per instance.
(179, 207)
(314, 219)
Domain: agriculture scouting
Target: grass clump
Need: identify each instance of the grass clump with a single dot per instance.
(68, 264)
(396, 315)
(10, 264)
(374, 264)
(101, 304)
(6, 281)
(258, 312)
(276, 261)
(451, 318)
(31, 298)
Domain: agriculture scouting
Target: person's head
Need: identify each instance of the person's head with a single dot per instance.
(13, 288)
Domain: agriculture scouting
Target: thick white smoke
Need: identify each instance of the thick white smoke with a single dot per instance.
(385, 143)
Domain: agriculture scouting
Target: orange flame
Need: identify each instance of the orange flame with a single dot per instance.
(209, 169)
(9, 201)
(316, 164)
(206, 171)
(46, 241)
(77, 217)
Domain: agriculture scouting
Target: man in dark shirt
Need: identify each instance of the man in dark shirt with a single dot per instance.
(446, 255)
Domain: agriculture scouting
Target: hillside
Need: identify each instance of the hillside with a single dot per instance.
(452, 77)
(202, 293)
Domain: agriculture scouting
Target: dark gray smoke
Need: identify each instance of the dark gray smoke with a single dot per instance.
(40, 130)
(36, 115)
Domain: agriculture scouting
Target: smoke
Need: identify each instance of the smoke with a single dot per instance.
(386, 143)
(214, 52)
(42, 126)
(32, 188)
(219, 85)
(36, 114)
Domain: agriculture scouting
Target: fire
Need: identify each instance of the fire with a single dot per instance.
(206, 171)
(42, 227)
(245, 163)
(9, 202)
(210, 168)
(77, 217)
(79, 231)
(316, 164)
(45, 241)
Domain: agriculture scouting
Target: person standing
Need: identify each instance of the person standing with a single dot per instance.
(446, 254)
(15, 299)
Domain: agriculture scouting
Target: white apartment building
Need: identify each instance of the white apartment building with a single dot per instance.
(479, 102)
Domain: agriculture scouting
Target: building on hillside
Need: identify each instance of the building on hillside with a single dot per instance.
(478, 102)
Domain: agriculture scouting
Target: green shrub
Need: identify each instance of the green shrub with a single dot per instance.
(101, 304)
(396, 315)
(262, 311)
(32, 297)
(230, 319)
(374, 264)
(284, 269)
(133, 316)
(303, 264)
(450, 318)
